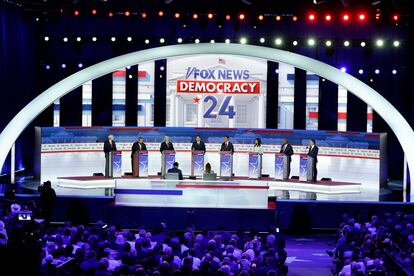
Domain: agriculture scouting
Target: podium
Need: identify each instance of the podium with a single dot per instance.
(303, 167)
(255, 165)
(113, 165)
(197, 163)
(140, 163)
(226, 164)
(167, 161)
(282, 166)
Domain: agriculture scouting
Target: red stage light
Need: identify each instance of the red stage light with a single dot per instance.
(345, 17)
(241, 16)
(260, 17)
(160, 13)
(93, 11)
(144, 15)
(328, 17)
(110, 14)
(127, 13)
(177, 15)
(278, 18)
(195, 16)
(210, 16)
(295, 18)
(395, 17)
(76, 13)
(361, 17)
(311, 17)
(228, 17)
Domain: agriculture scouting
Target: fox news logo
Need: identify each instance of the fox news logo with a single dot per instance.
(217, 74)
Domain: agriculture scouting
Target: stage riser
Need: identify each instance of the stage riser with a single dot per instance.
(290, 215)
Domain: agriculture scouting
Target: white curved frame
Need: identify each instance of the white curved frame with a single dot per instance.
(394, 119)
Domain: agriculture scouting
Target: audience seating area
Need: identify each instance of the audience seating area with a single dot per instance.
(376, 245)
(100, 249)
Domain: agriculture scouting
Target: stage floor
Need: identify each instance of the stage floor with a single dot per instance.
(235, 193)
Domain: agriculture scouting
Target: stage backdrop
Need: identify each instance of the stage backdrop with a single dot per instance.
(343, 156)
(216, 91)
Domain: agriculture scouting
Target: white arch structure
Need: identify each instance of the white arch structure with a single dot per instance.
(394, 119)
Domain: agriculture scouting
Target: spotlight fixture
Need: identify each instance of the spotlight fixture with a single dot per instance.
(127, 13)
(210, 16)
(177, 15)
(363, 44)
(78, 39)
(379, 42)
(162, 40)
(394, 72)
(377, 71)
(328, 17)
(243, 40)
(395, 17)
(278, 17)
(227, 41)
(197, 41)
(160, 13)
(311, 17)
(295, 18)
(262, 40)
(328, 43)
(311, 42)
(396, 43)
(113, 39)
(63, 65)
(162, 68)
(94, 12)
(195, 16)
(110, 14)
(80, 65)
(260, 17)
(242, 16)
(346, 43)
(346, 17)
(295, 43)
(212, 41)
(343, 69)
(76, 13)
(47, 66)
(46, 38)
(144, 15)
(179, 40)
(94, 39)
(129, 39)
(228, 17)
(278, 41)
(360, 71)
(65, 39)
(361, 17)
(146, 41)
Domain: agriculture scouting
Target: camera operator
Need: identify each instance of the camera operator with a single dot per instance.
(47, 200)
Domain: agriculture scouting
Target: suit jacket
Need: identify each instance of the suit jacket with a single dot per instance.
(107, 146)
(135, 147)
(176, 170)
(229, 147)
(313, 153)
(165, 146)
(200, 146)
(288, 150)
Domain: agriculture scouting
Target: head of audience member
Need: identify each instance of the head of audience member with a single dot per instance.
(198, 138)
(175, 165)
(285, 141)
(166, 139)
(110, 137)
(258, 142)
(140, 140)
(226, 138)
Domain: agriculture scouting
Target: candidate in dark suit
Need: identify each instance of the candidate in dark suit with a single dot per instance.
(175, 169)
(313, 152)
(137, 146)
(198, 144)
(227, 145)
(166, 144)
(287, 150)
(109, 146)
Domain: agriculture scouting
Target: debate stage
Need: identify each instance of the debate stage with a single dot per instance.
(239, 192)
